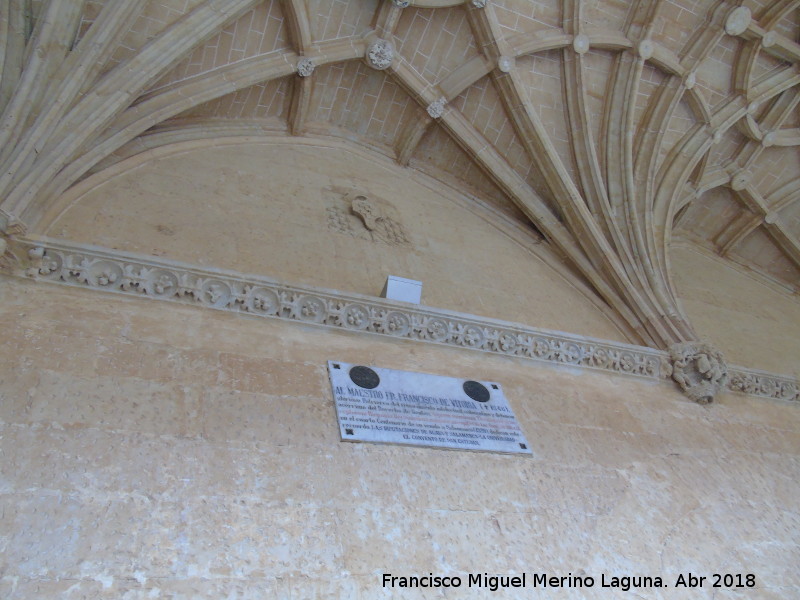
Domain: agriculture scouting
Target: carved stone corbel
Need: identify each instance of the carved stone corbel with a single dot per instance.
(5, 256)
(10, 229)
(699, 369)
(11, 226)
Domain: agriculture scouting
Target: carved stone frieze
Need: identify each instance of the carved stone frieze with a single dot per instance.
(117, 272)
(759, 383)
(380, 54)
(699, 369)
(697, 366)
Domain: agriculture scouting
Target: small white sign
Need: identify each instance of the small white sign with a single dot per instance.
(418, 409)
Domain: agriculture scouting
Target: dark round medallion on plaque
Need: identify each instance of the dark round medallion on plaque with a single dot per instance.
(365, 377)
(476, 391)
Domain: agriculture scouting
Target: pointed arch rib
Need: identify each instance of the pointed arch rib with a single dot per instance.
(114, 93)
(79, 68)
(490, 160)
(296, 16)
(172, 100)
(51, 40)
(13, 38)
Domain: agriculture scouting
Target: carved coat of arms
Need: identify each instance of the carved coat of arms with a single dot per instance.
(364, 216)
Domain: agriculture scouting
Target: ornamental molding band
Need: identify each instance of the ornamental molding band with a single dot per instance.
(699, 369)
(762, 383)
(102, 269)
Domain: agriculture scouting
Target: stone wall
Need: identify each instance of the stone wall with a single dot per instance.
(158, 450)
(754, 323)
(283, 209)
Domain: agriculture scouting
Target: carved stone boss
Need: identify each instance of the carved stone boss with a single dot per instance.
(699, 369)
(114, 271)
(380, 54)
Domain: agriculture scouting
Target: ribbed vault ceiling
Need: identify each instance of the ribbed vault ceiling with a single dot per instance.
(609, 127)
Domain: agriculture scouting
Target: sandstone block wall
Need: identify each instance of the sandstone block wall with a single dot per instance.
(283, 209)
(752, 322)
(152, 450)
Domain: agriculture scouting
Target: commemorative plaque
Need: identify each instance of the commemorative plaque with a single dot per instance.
(418, 409)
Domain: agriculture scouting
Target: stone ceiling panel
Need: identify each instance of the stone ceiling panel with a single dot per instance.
(435, 42)
(91, 9)
(598, 67)
(760, 250)
(711, 214)
(606, 14)
(766, 65)
(263, 101)
(651, 81)
(438, 153)
(715, 73)
(682, 120)
(361, 100)
(793, 119)
(259, 31)
(730, 143)
(154, 18)
(334, 19)
(775, 167)
(526, 16)
(481, 104)
(541, 76)
(790, 25)
(678, 21)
